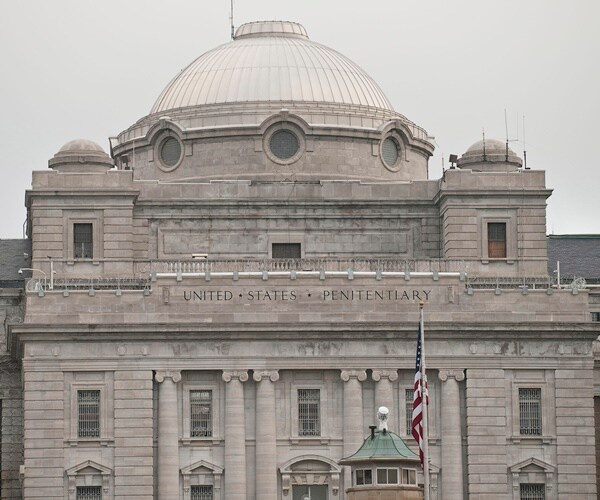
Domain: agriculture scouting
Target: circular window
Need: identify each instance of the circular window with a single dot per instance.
(284, 144)
(389, 151)
(170, 151)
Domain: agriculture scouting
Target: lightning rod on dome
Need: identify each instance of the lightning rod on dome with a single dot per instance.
(231, 20)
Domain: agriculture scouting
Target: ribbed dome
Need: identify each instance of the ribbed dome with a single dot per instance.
(271, 61)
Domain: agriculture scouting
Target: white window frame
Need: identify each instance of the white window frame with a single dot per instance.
(356, 471)
(295, 434)
(398, 476)
(216, 414)
(414, 471)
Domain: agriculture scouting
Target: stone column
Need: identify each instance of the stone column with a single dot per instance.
(235, 435)
(354, 432)
(384, 394)
(168, 439)
(266, 434)
(452, 466)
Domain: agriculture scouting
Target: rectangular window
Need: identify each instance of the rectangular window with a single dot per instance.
(83, 241)
(89, 493)
(364, 476)
(387, 476)
(596, 316)
(286, 251)
(202, 493)
(533, 491)
(409, 395)
(409, 476)
(309, 412)
(497, 240)
(201, 413)
(88, 410)
(530, 411)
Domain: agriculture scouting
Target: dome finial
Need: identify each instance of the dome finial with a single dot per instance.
(382, 416)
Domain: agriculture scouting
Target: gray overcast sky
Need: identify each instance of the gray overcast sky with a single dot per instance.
(83, 68)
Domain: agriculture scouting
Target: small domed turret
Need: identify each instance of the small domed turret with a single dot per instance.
(490, 155)
(81, 155)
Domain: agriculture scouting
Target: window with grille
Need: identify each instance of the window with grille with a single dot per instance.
(497, 240)
(284, 144)
(387, 476)
(201, 413)
(309, 412)
(533, 491)
(389, 151)
(364, 476)
(83, 241)
(170, 151)
(202, 493)
(409, 394)
(88, 406)
(89, 493)
(530, 411)
(286, 250)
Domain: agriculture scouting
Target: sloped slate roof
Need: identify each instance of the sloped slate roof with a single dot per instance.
(578, 254)
(12, 258)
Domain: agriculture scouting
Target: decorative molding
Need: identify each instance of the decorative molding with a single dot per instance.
(360, 375)
(174, 375)
(391, 375)
(229, 375)
(272, 375)
(458, 375)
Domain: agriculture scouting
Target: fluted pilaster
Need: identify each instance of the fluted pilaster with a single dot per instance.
(452, 466)
(168, 440)
(235, 435)
(266, 434)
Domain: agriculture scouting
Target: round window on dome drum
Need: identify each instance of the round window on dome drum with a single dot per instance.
(389, 151)
(170, 151)
(284, 144)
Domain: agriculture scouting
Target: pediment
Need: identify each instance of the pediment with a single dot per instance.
(202, 464)
(532, 465)
(88, 467)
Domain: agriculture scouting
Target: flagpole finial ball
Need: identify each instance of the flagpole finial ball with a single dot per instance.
(421, 304)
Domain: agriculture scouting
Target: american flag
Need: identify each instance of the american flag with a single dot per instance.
(419, 389)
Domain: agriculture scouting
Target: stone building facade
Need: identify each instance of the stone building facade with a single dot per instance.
(229, 296)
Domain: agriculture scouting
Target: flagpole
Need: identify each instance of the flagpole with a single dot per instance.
(425, 397)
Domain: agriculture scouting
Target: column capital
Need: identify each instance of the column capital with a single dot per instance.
(174, 375)
(229, 375)
(272, 375)
(360, 375)
(391, 375)
(458, 375)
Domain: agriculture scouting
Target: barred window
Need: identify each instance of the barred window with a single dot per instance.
(497, 240)
(286, 250)
(409, 394)
(530, 411)
(201, 413)
(364, 476)
(88, 406)
(83, 241)
(387, 476)
(202, 493)
(89, 493)
(309, 412)
(533, 491)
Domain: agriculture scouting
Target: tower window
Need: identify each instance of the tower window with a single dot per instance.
(83, 241)
(286, 250)
(497, 240)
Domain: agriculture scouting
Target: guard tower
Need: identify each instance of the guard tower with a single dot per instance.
(384, 468)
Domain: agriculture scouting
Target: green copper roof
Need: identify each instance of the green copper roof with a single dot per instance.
(384, 446)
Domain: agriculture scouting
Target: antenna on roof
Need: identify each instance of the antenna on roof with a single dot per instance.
(483, 134)
(524, 147)
(231, 20)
